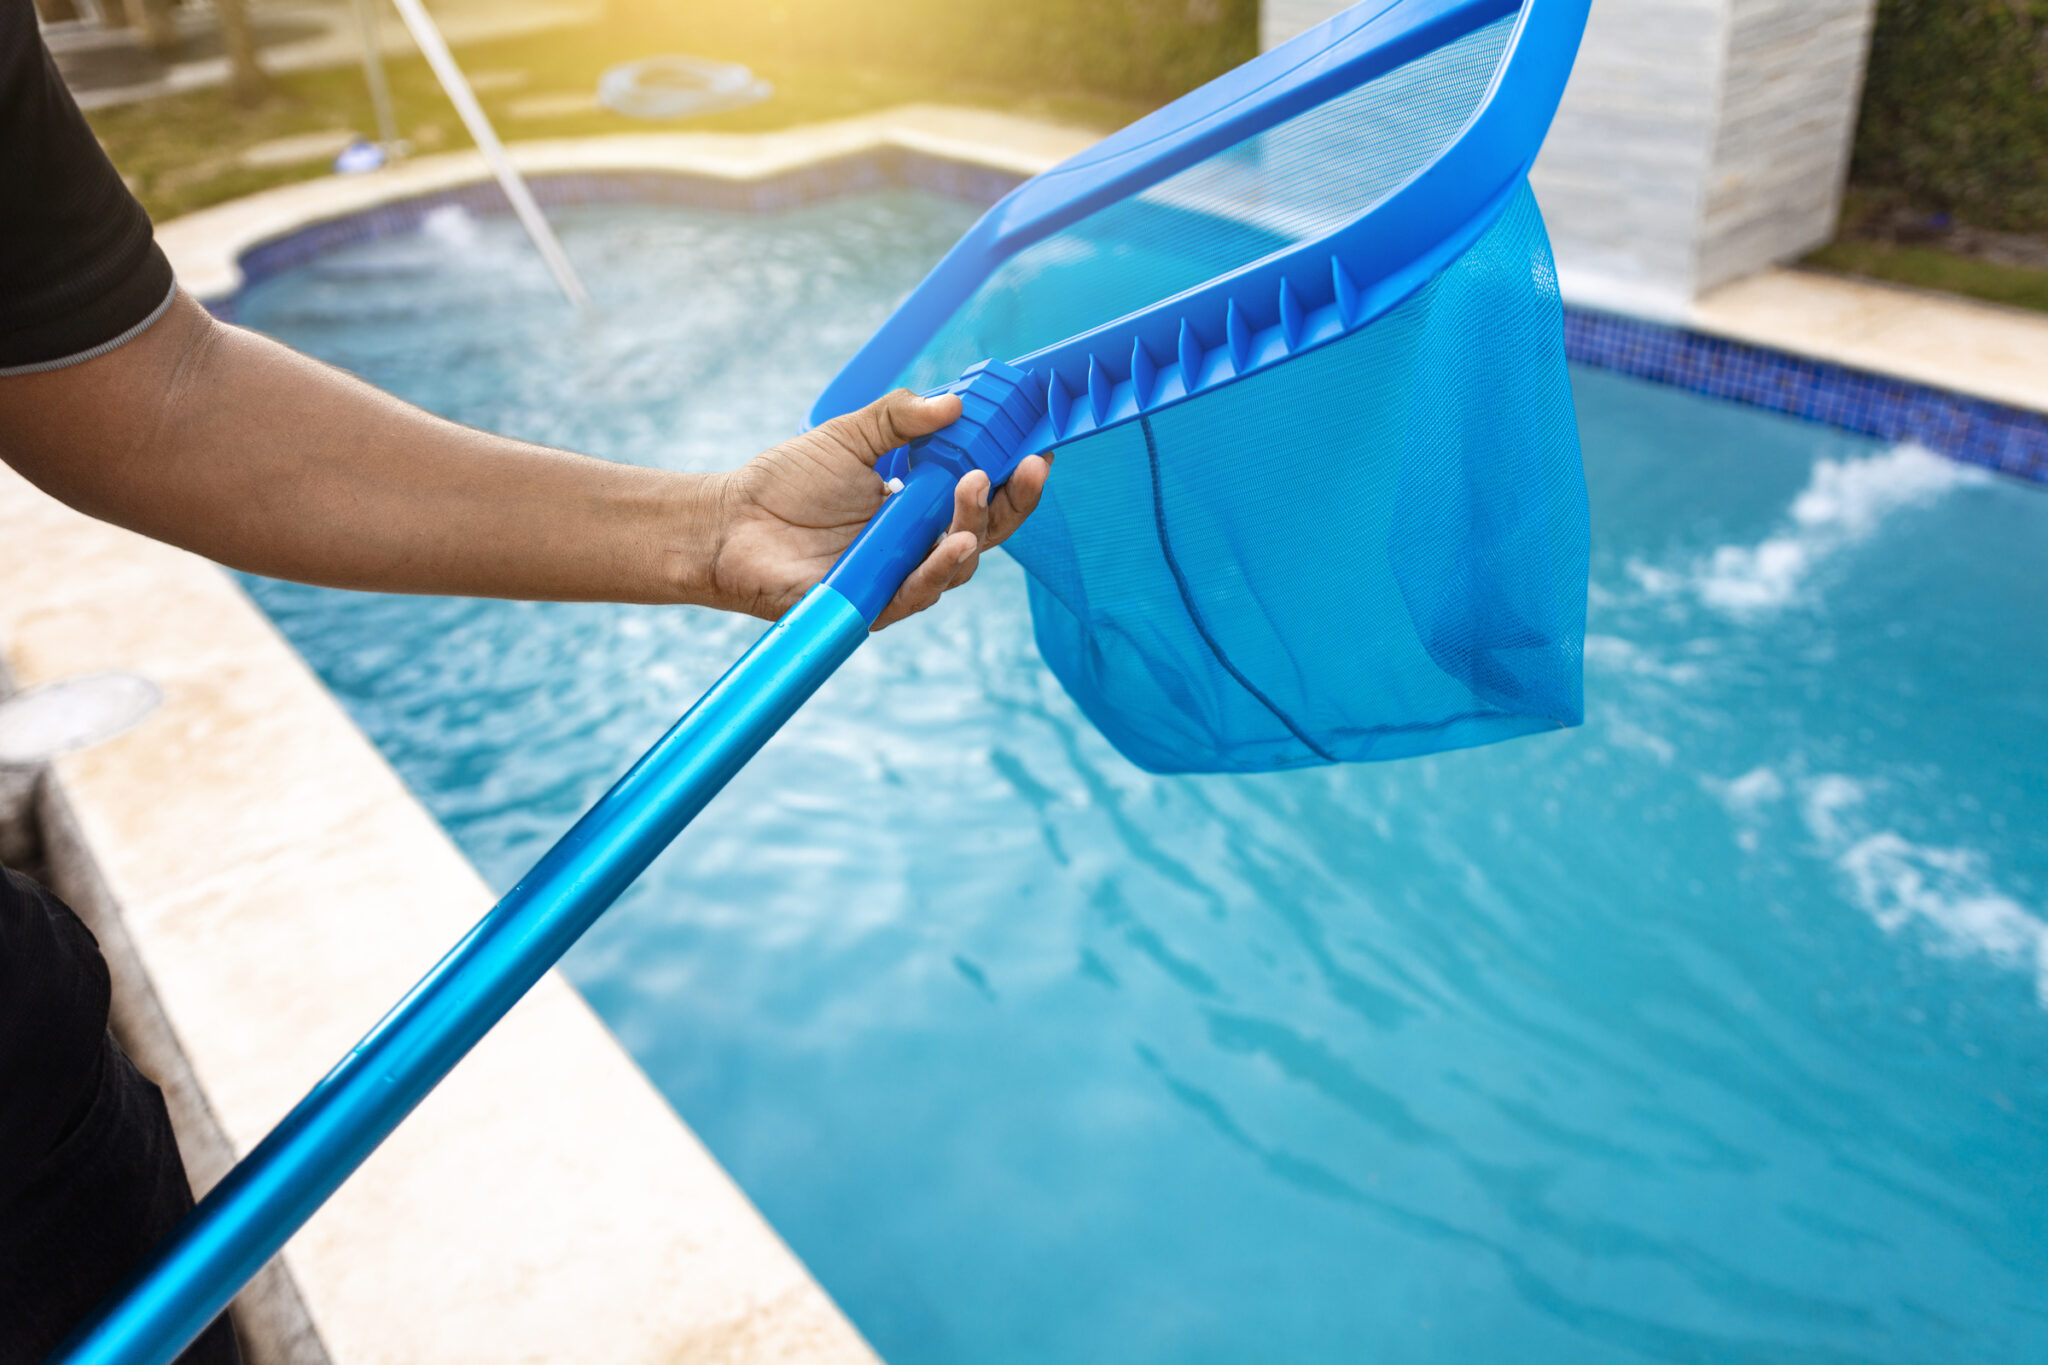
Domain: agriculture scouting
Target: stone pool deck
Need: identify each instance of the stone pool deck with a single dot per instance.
(280, 888)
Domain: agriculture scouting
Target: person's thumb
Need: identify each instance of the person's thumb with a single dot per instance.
(890, 421)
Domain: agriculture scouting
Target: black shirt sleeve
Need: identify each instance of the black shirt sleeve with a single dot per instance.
(80, 270)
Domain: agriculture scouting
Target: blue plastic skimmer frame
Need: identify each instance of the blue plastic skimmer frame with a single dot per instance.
(1291, 301)
(1257, 317)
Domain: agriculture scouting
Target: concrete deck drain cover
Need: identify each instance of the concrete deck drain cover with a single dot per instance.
(72, 713)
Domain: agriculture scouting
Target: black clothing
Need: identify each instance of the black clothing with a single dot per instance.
(79, 268)
(53, 1009)
(90, 1177)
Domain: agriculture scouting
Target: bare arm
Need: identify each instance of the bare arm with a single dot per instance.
(240, 449)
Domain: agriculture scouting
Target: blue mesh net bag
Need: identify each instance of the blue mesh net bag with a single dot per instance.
(1319, 496)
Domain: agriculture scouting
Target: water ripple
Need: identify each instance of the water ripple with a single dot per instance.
(1711, 1032)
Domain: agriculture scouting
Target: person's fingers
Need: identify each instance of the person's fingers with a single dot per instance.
(980, 519)
(971, 504)
(890, 421)
(1018, 498)
(931, 578)
(965, 571)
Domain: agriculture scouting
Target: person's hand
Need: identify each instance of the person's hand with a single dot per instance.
(232, 446)
(786, 514)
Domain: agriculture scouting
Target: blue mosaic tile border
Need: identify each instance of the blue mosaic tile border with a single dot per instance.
(1974, 430)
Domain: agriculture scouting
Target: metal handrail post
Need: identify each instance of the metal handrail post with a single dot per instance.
(435, 49)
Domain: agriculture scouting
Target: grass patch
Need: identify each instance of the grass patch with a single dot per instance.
(1927, 267)
(183, 152)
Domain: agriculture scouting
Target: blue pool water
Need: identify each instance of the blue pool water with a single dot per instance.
(1716, 1030)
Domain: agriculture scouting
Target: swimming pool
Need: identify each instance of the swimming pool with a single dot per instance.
(1715, 1030)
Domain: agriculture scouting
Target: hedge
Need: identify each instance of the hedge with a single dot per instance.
(1955, 110)
(1142, 49)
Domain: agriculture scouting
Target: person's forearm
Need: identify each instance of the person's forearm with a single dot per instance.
(237, 448)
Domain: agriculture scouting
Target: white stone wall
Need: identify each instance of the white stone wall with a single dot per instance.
(1790, 86)
(1698, 141)
(1622, 177)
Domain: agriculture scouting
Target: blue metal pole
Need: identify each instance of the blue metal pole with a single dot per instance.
(245, 1219)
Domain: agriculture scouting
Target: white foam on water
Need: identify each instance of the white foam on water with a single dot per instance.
(1747, 795)
(1748, 578)
(1626, 734)
(1844, 502)
(1653, 580)
(1947, 893)
(1826, 799)
(450, 225)
(1747, 798)
(1625, 656)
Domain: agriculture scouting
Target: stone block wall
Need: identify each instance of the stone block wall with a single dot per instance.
(1791, 81)
(1699, 141)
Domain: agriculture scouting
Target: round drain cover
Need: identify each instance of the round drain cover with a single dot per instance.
(72, 713)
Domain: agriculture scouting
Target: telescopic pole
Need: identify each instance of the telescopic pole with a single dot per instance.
(243, 1221)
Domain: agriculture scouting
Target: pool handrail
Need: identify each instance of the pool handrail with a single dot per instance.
(434, 48)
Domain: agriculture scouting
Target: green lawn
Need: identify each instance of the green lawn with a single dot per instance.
(1926, 267)
(182, 153)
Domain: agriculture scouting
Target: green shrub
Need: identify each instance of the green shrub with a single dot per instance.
(1144, 49)
(1955, 110)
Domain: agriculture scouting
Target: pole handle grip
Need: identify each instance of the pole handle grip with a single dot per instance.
(999, 407)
